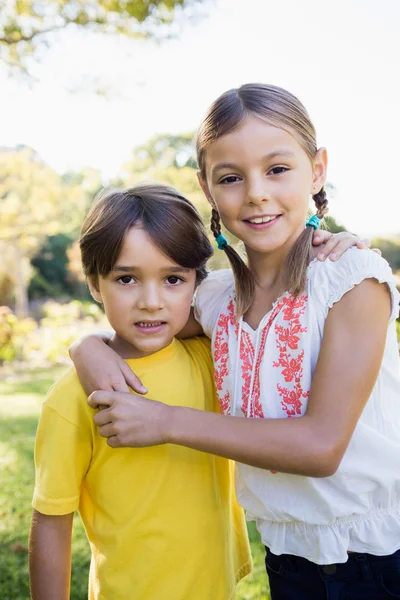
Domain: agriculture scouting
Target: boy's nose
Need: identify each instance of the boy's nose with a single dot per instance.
(150, 299)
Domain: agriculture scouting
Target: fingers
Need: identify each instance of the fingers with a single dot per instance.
(118, 378)
(107, 431)
(377, 251)
(103, 417)
(337, 245)
(113, 442)
(132, 380)
(100, 398)
(320, 236)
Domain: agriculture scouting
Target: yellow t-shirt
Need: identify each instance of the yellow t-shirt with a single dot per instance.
(162, 522)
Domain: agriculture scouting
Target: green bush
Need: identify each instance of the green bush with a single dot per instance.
(14, 336)
(46, 342)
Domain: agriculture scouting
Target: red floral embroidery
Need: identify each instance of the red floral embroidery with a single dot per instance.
(290, 359)
(221, 355)
(291, 362)
(247, 366)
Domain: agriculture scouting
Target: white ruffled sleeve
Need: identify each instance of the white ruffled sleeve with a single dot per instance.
(210, 298)
(329, 280)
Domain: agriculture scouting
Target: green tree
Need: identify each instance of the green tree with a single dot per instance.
(26, 24)
(35, 204)
(390, 249)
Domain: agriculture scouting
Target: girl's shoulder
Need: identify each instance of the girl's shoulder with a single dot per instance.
(211, 296)
(328, 281)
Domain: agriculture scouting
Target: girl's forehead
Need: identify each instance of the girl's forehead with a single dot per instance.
(254, 137)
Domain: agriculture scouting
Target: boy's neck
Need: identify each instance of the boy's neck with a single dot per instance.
(126, 350)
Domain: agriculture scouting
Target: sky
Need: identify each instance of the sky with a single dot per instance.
(340, 58)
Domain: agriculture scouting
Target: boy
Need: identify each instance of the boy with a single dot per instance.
(162, 522)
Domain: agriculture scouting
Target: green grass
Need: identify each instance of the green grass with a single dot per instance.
(20, 398)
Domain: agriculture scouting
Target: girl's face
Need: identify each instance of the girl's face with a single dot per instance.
(146, 297)
(260, 179)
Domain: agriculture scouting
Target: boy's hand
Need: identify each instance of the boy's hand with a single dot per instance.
(130, 420)
(334, 245)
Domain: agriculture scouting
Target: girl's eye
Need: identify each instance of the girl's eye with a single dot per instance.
(278, 170)
(125, 280)
(174, 280)
(229, 179)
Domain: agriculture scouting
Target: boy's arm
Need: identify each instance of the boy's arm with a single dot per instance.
(50, 556)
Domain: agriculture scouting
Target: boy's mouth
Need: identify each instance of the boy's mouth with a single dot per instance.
(150, 323)
(150, 326)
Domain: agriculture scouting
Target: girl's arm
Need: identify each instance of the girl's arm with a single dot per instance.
(50, 556)
(312, 445)
(100, 368)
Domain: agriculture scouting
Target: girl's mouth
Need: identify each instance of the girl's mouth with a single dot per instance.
(261, 223)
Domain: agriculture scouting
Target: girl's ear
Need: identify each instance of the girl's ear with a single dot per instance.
(320, 166)
(204, 187)
(94, 290)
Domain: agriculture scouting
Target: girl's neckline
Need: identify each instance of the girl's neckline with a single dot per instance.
(249, 328)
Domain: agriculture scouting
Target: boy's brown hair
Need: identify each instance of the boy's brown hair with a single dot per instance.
(172, 222)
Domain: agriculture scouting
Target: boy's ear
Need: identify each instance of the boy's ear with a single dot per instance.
(204, 187)
(94, 289)
(320, 166)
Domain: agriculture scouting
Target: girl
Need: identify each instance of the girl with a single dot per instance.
(306, 350)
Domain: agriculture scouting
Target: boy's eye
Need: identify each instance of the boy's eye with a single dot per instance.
(125, 280)
(230, 179)
(278, 170)
(174, 280)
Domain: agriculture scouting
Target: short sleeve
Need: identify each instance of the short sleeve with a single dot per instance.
(330, 280)
(210, 298)
(63, 451)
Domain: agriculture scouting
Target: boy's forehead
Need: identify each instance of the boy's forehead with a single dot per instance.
(139, 252)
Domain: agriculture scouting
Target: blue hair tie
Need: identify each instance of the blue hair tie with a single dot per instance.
(221, 241)
(314, 221)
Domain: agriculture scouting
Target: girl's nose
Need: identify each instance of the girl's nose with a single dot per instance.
(257, 192)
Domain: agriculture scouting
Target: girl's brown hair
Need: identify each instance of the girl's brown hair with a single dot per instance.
(172, 222)
(280, 108)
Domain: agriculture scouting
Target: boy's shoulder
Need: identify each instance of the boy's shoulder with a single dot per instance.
(67, 397)
(198, 347)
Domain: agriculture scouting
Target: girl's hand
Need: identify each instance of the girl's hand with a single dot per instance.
(335, 244)
(100, 368)
(129, 420)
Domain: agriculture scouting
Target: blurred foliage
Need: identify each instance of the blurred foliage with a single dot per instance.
(46, 341)
(35, 203)
(26, 25)
(390, 249)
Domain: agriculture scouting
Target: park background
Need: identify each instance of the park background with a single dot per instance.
(110, 93)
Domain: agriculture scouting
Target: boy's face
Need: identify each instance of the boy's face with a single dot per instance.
(146, 297)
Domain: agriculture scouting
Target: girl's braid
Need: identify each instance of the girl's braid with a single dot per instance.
(215, 223)
(321, 202)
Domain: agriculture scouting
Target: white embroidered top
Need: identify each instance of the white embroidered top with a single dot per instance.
(268, 374)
